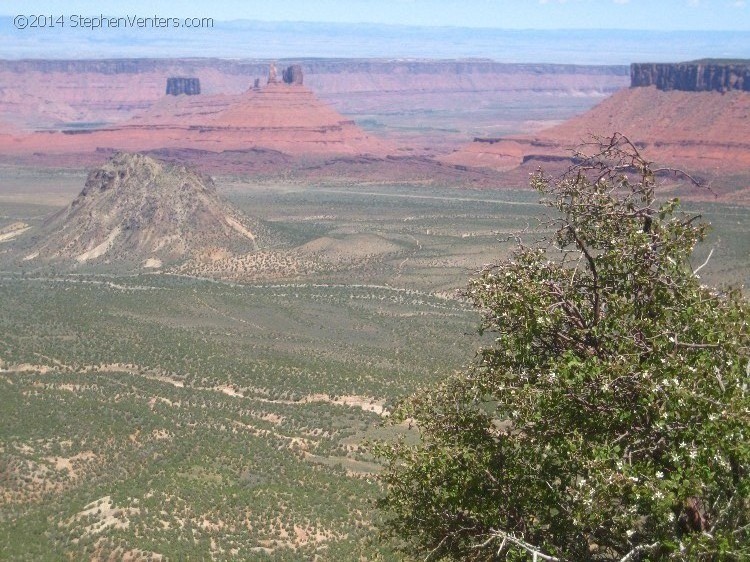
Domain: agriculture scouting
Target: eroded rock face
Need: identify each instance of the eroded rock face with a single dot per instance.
(691, 77)
(293, 74)
(179, 85)
(272, 78)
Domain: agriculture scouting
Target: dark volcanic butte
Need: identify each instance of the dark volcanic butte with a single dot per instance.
(139, 211)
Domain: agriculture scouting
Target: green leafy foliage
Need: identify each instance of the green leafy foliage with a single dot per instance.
(609, 419)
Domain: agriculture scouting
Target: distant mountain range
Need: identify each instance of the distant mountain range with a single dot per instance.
(254, 39)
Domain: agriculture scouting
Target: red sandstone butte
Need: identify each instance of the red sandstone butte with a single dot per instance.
(707, 130)
(284, 117)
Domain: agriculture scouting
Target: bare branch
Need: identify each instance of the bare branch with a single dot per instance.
(535, 552)
(638, 550)
(695, 272)
(725, 512)
(592, 267)
(693, 345)
(684, 174)
(434, 550)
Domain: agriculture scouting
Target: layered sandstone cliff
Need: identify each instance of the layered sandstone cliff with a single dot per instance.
(177, 85)
(692, 77)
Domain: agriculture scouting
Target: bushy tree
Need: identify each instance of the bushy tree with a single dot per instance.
(610, 418)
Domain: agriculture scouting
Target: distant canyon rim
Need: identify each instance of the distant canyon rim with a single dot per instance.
(472, 122)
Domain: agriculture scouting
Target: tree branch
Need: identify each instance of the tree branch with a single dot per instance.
(704, 264)
(434, 550)
(684, 174)
(535, 552)
(638, 550)
(693, 345)
(592, 266)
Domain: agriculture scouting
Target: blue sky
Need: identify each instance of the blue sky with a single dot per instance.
(505, 14)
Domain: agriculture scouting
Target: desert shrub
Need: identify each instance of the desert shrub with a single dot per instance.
(609, 419)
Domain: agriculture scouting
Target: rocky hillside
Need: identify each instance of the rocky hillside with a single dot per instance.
(138, 211)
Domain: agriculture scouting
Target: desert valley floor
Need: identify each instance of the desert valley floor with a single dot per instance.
(209, 414)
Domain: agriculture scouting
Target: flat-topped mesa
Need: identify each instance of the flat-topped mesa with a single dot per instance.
(696, 76)
(178, 85)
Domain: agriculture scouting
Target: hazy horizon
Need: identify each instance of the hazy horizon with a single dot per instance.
(252, 39)
(540, 31)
